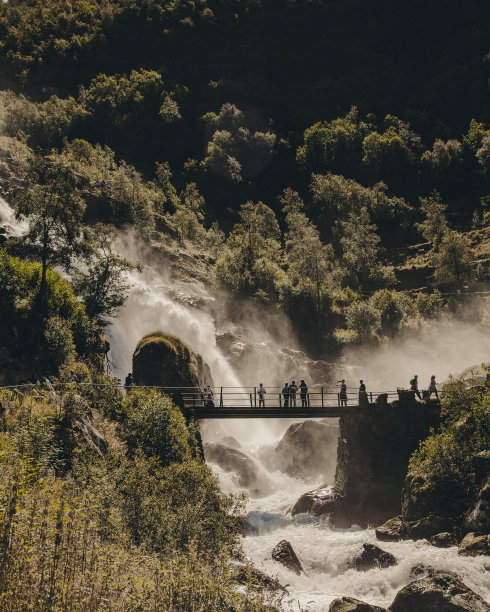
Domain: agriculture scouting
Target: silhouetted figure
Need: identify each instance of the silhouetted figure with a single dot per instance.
(432, 387)
(414, 386)
(363, 396)
(293, 388)
(129, 382)
(261, 391)
(208, 397)
(285, 395)
(303, 392)
(343, 393)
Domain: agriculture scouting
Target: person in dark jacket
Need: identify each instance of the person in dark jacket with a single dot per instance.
(303, 392)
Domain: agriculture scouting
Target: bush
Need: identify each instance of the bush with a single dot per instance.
(154, 424)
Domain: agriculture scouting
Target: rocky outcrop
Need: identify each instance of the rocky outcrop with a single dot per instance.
(284, 553)
(429, 526)
(478, 516)
(251, 576)
(446, 539)
(473, 545)
(164, 360)
(245, 354)
(308, 449)
(317, 502)
(393, 530)
(425, 494)
(349, 604)
(233, 460)
(371, 557)
(372, 460)
(438, 593)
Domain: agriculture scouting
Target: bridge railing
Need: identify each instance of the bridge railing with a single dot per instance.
(251, 397)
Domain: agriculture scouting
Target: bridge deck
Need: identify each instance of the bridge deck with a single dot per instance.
(245, 403)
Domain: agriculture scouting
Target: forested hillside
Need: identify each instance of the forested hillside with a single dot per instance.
(306, 146)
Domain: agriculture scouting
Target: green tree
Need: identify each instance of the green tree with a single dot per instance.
(239, 146)
(453, 259)
(103, 284)
(434, 226)
(189, 214)
(307, 258)
(360, 245)
(364, 319)
(54, 211)
(250, 261)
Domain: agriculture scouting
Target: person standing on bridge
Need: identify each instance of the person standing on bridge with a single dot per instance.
(433, 387)
(261, 393)
(303, 392)
(414, 386)
(285, 395)
(363, 396)
(343, 393)
(293, 388)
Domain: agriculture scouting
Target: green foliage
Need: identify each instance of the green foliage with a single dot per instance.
(364, 320)
(37, 343)
(155, 425)
(251, 260)
(239, 147)
(465, 432)
(453, 259)
(435, 225)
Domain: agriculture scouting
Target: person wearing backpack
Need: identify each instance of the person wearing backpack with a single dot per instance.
(414, 386)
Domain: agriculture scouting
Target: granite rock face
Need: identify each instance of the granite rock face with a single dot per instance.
(374, 448)
(472, 545)
(308, 449)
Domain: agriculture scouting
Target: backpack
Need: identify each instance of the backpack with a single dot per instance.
(412, 382)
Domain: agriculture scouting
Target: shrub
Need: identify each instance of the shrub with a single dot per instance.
(154, 424)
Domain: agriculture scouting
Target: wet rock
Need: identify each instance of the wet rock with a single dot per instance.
(284, 553)
(349, 604)
(472, 545)
(438, 593)
(308, 449)
(429, 526)
(251, 576)
(478, 516)
(393, 530)
(372, 556)
(233, 460)
(317, 502)
(445, 539)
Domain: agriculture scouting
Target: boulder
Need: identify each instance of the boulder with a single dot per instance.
(478, 516)
(472, 545)
(317, 502)
(371, 557)
(308, 449)
(349, 604)
(429, 526)
(284, 553)
(251, 576)
(438, 593)
(233, 460)
(164, 360)
(393, 530)
(445, 539)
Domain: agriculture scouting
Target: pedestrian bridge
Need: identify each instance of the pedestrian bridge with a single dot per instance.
(244, 402)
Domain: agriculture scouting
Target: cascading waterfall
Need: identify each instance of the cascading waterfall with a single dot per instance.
(323, 550)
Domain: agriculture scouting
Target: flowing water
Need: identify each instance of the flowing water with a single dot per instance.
(323, 551)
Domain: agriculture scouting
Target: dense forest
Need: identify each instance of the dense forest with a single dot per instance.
(329, 160)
